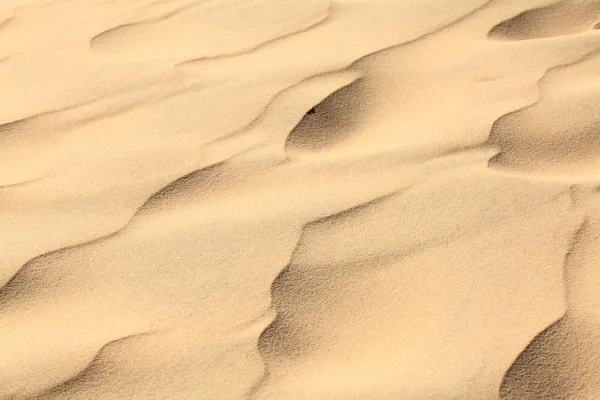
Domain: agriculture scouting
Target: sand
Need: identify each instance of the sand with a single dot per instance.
(300, 199)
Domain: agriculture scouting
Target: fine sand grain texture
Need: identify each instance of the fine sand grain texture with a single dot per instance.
(299, 199)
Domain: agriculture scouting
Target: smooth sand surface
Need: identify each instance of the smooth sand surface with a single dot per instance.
(300, 199)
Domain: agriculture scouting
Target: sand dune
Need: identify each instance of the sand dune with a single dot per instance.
(304, 200)
(560, 18)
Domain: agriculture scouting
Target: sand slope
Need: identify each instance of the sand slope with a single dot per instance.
(299, 199)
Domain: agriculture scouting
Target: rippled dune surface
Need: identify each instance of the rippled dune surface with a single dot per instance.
(300, 199)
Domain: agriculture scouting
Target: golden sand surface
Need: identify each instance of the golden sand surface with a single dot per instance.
(299, 199)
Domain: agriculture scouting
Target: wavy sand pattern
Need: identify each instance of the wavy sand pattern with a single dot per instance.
(300, 199)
